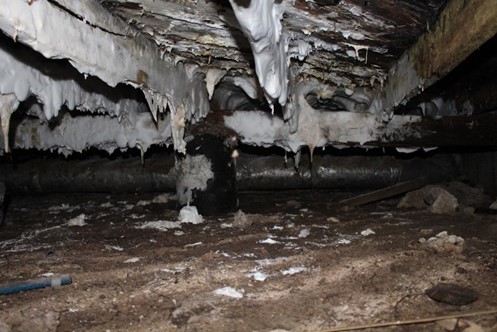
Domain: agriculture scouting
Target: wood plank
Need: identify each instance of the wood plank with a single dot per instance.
(463, 26)
(383, 193)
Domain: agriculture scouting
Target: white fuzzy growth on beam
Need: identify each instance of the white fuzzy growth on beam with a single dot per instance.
(76, 134)
(113, 58)
(316, 128)
(260, 22)
(22, 80)
(8, 104)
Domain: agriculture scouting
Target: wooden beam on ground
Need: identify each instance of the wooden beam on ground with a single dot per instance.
(463, 26)
(382, 194)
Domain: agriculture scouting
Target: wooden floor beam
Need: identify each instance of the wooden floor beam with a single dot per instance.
(463, 26)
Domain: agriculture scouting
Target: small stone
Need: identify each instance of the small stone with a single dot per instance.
(240, 220)
(413, 199)
(467, 195)
(452, 294)
(448, 324)
(426, 231)
(468, 210)
(443, 243)
(444, 203)
(333, 219)
(367, 232)
(435, 198)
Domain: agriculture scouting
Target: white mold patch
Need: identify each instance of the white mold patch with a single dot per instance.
(193, 173)
(77, 221)
(293, 270)
(161, 225)
(189, 215)
(230, 292)
(261, 24)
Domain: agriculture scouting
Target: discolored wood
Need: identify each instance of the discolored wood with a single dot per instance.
(477, 130)
(462, 27)
(383, 193)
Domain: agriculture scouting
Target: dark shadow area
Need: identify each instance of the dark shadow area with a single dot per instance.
(471, 85)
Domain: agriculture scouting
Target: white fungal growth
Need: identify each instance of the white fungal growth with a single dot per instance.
(189, 215)
(247, 84)
(92, 51)
(317, 128)
(8, 104)
(355, 52)
(212, 78)
(261, 24)
(300, 51)
(193, 173)
(76, 134)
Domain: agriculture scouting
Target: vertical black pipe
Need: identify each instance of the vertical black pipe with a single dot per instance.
(221, 194)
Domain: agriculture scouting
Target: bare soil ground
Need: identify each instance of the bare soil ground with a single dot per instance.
(319, 271)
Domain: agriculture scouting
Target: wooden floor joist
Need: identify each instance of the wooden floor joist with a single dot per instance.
(462, 27)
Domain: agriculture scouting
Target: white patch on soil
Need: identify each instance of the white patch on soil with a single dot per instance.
(293, 270)
(189, 215)
(77, 221)
(116, 248)
(230, 292)
(269, 241)
(367, 232)
(304, 233)
(132, 260)
(343, 241)
(258, 275)
(163, 198)
(61, 207)
(161, 225)
(46, 275)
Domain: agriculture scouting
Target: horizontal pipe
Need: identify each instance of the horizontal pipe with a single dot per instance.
(90, 175)
(353, 172)
(253, 173)
(23, 286)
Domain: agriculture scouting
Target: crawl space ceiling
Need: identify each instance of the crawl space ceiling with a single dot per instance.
(115, 74)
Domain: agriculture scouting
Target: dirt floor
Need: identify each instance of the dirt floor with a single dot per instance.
(292, 262)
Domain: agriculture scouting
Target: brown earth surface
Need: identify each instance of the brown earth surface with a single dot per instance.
(320, 271)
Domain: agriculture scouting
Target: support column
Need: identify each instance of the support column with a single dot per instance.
(2, 199)
(207, 176)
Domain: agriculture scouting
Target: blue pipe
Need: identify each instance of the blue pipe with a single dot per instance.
(22, 286)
